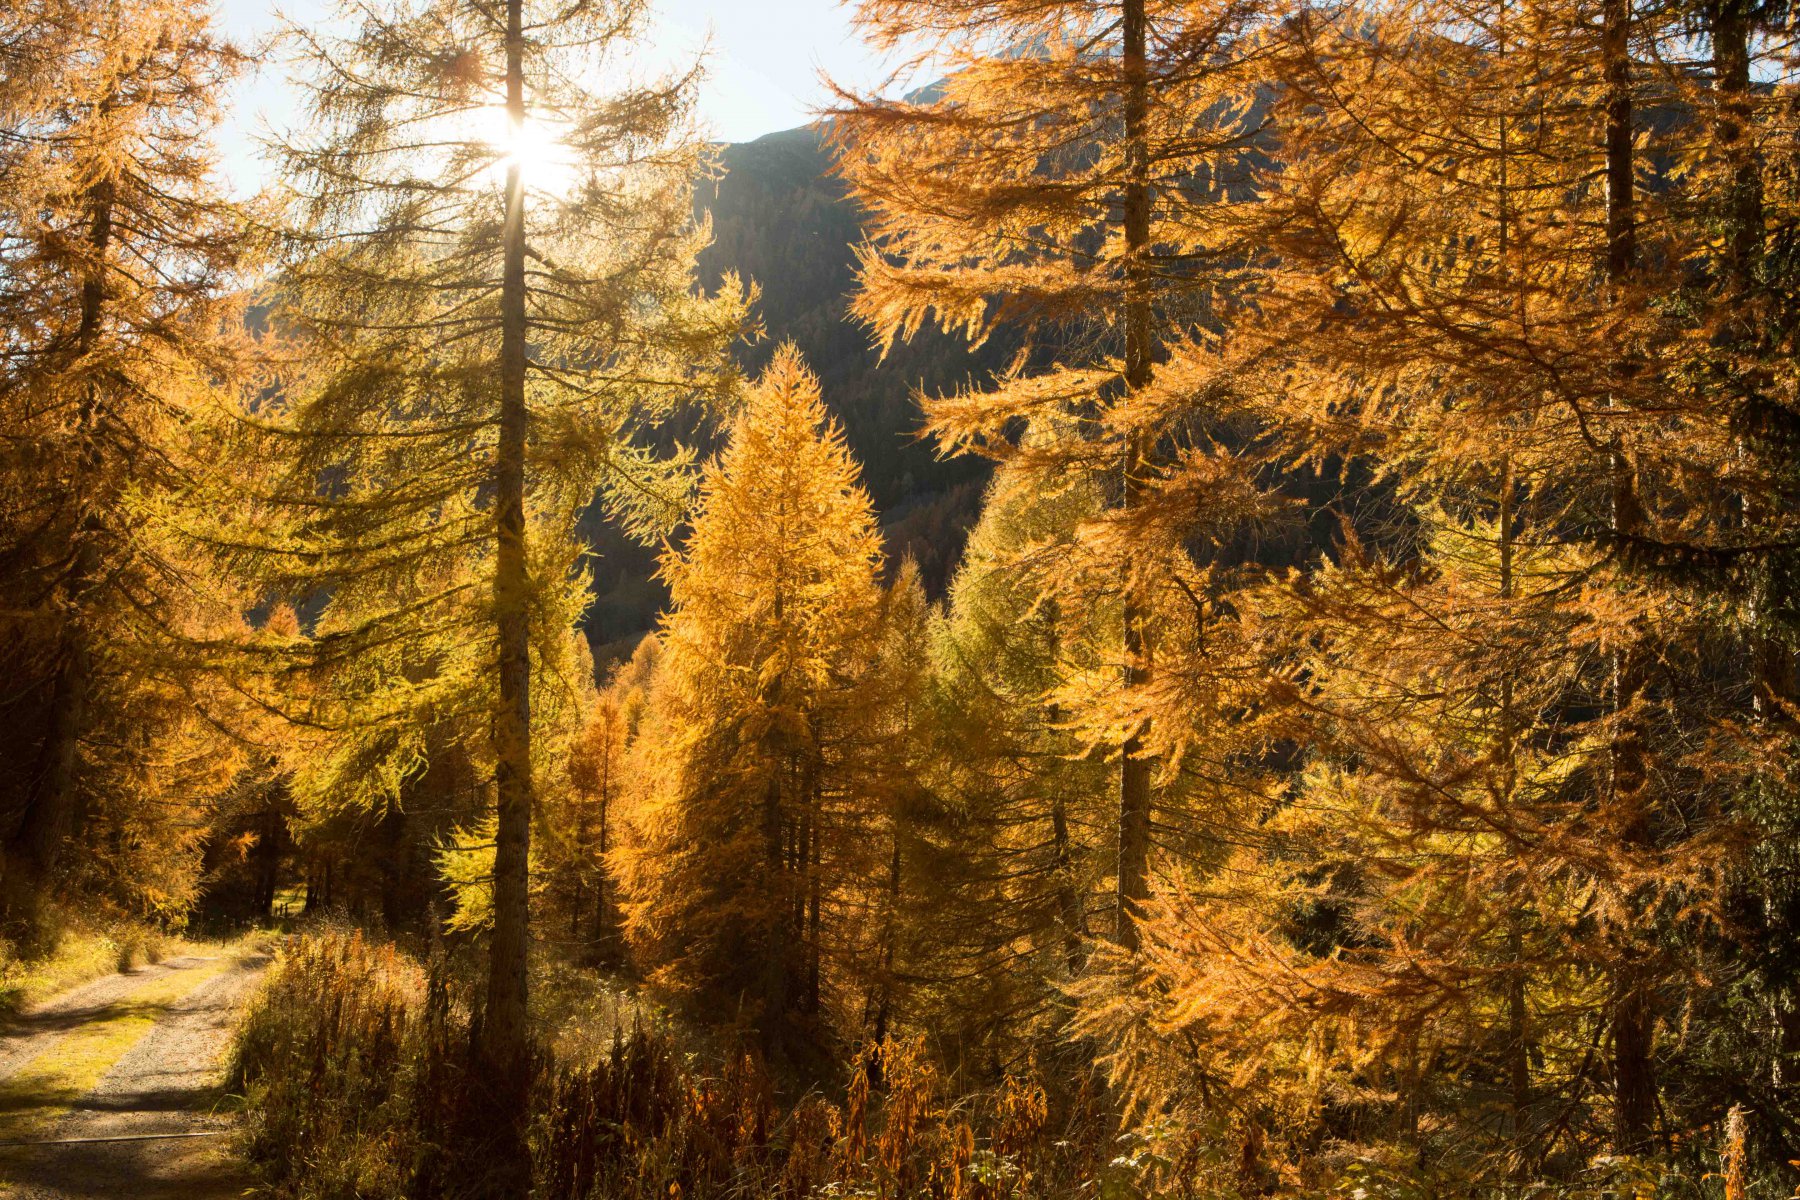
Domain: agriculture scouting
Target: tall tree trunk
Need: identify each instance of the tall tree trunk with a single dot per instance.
(1632, 1014)
(49, 820)
(1728, 25)
(889, 946)
(271, 847)
(504, 1047)
(1634, 1069)
(50, 816)
(1069, 908)
(1518, 1025)
(1621, 181)
(1776, 686)
(1134, 767)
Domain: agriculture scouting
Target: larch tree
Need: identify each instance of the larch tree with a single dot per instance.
(1533, 334)
(121, 263)
(1078, 176)
(1028, 824)
(757, 828)
(1730, 536)
(1417, 948)
(490, 309)
(886, 941)
(584, 819)
(1457, 299)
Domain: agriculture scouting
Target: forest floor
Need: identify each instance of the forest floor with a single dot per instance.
(125, 1056)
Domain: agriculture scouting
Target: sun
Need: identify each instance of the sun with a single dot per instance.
(536, 146)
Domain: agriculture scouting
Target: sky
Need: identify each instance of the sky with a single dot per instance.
(763, 65)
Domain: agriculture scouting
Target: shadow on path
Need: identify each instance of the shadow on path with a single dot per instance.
(168, 1082)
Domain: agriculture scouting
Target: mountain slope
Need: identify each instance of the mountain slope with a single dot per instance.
(782, 219)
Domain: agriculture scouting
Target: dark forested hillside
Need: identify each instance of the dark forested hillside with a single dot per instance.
(781, 218)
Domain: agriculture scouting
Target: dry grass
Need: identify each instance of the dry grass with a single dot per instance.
(70, 948)
(350, 1059)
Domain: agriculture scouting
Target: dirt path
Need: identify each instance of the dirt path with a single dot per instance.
(122, 1057)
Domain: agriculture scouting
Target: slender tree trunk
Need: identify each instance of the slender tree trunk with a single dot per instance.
(1728, 24)
(1776, 686)
(504, 1047)
(1634, 1073)
(602, 915)
(270, 848)
(579, 859)
(1632, 1012)
(1069, 906)
(797, 857)
(814, 892)
(1518, 1032)
(1518, 1025)
(50, 817)
(1634, 1070)
(1134, 766)
(1068, 901)
(1621, 181)
(780, 862)
(396, 854)
(1631, 1015)
(890, 936)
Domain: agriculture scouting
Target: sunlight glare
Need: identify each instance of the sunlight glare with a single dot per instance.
(548, 164)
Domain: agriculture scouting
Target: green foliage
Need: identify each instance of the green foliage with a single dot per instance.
(378, 455)
(1016, 858)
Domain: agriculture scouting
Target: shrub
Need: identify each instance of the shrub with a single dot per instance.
(351, 1060)
(328, 1054)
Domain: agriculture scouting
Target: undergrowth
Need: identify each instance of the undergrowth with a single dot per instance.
(349, 1060)
(64, 948)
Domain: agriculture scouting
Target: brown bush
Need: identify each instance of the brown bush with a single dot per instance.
(352, 1058)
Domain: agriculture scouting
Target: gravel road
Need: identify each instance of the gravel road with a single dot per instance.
(124, 1056)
